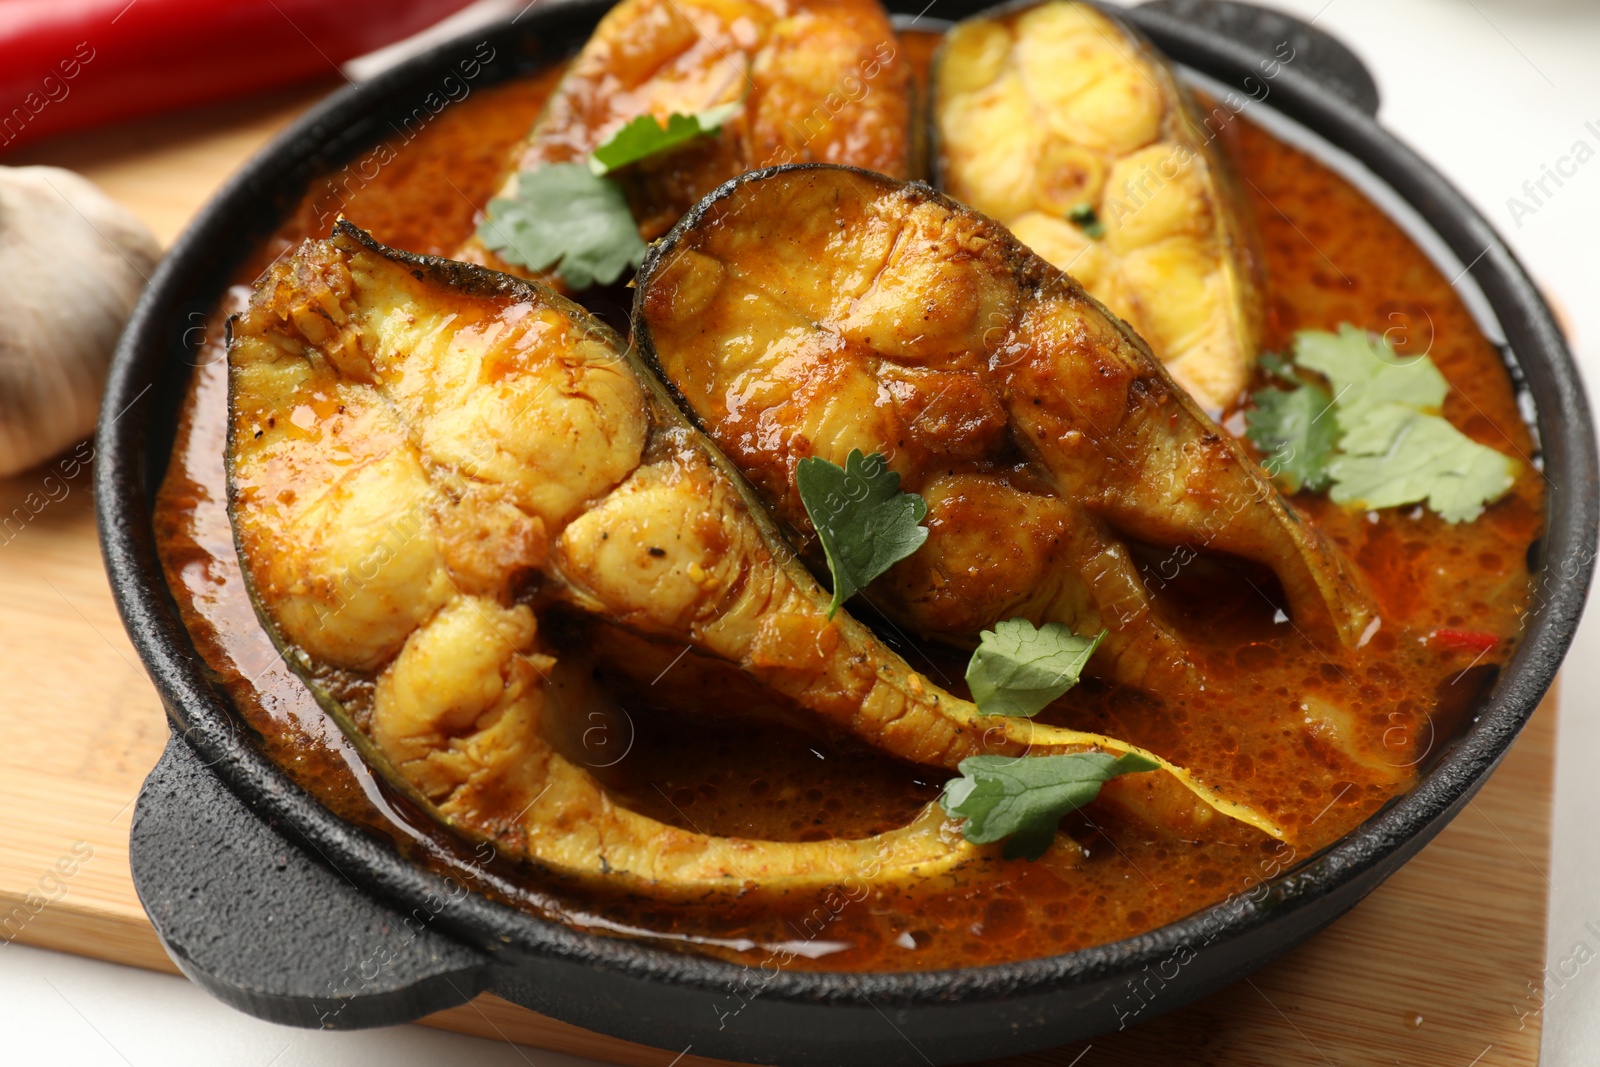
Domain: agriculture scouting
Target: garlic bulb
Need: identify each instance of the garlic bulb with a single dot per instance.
(71, 266)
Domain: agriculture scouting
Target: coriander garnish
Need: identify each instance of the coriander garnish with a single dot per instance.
(866, 524)
(1019, 669)
(1085, 218)
(1379, 441)
(1023, 798)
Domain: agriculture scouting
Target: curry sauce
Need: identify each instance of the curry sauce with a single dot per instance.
(1318, 739)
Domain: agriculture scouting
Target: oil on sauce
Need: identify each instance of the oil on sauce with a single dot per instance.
(1269, 729)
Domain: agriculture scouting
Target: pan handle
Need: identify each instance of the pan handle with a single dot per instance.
(1279, 40)
(271, 931)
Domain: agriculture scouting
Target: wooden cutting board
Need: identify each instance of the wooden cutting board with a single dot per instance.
(1435, 969)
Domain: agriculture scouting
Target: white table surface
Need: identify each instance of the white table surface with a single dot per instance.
(1490, 91)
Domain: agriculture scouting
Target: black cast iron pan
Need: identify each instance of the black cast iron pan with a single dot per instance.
(279, 908)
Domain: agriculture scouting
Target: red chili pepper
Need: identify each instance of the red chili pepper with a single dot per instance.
(68, 64)
(1475, 641)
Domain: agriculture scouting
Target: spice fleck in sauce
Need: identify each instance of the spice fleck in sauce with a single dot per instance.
(1318, 739)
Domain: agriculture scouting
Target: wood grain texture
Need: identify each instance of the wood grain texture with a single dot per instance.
(1433, 969)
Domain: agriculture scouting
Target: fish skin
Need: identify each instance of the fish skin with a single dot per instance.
(814, 296)
(386, 411)
(1041, 110)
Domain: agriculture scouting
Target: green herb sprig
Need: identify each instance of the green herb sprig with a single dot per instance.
(1297, 430)
(565, 217)
(645, 137)
(571, 217)
(1375, 439)
(1087, 219)
(1018, 668)
(865, 523)
(1021, 799)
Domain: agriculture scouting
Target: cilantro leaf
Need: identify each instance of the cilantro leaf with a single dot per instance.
(1297, 431)
(564, 215)
(645, 136)
(1398, 455)
(1085, 218)
(866, 524)
(1391, 446)
(1277, 366)
(1018, 670)
(1366, 371)
(1024, 798)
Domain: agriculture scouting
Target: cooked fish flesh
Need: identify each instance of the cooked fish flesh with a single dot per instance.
(813, 310)
(819, 80)
(424, 457)
(1065, 125)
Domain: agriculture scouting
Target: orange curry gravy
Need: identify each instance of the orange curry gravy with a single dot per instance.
(694, 750)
